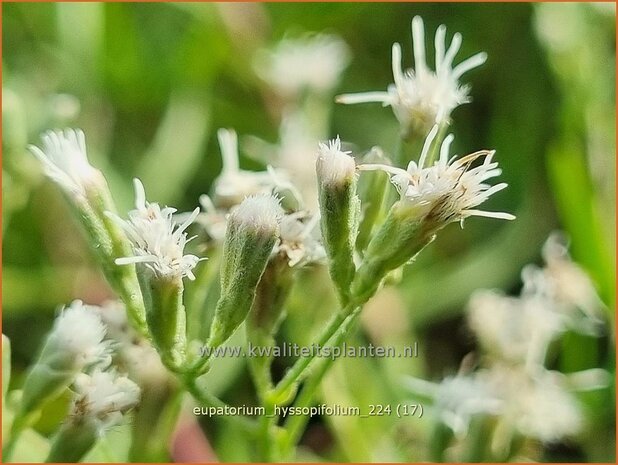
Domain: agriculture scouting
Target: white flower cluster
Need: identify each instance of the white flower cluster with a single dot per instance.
(422, 97)
(65, 160)
(555, 298)
(450, 189)
(515, 333)
(78, 344)
(313, 62)
(158, 241)
(79, 334)
(103, 397)
(298, 236)
(514, 386)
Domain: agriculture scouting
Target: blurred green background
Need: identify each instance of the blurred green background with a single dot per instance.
(150, 84)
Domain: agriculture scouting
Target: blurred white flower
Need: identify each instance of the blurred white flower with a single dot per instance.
(65, 161)
(294, 155)
(457, 399)
(158, 241)
(449, 190)
(538, 406)
(312, 62)
(515, 329)
(567, 285)
(234, 184)
(421, 97)
(104, 397)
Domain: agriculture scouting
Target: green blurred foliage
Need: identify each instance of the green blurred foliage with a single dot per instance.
(150, 83)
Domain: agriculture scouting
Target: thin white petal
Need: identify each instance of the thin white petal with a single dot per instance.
(396, 64)
(364, 97)
(440, 44)
(228, 144)
(498, 215)
(468, 64)
(135, 259)
(381, 167)
(418, 39)
(140, 194)
(428, 141)
(445, 148)
(452, 50)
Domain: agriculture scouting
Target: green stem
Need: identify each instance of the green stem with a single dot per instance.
(209, 400)
(198, 295)
(440, 439)
(9, 448)
(476, 441)
(267, 440)
(296, 423)
(300, 369)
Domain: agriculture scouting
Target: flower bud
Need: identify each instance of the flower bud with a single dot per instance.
(65, 161)
(396, 242)
(339, 208)
(252, 231)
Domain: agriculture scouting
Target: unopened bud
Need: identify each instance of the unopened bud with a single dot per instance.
(339, 209)
(252, 231)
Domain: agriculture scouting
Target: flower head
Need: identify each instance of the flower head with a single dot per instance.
(234, 184)
(257, 214)
(450, 189)
(566, 285)
(104, 397)
(517, 330)
(334, 166)
(311, 62)
(65, 161)
(539, 406)
(79, 332)
(457, 399)
(422, 97)
(158, 241)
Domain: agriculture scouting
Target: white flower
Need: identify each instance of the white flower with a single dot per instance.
(65, 161)
(334, 167)
(566, 285)
(515, 329)
(449, 190)
(257, 214)
(538, 406)
(457, 399)
(158, 241)
(300, 239)
(104, 397)
(313, 62)
(79, 332)
(234, 184)
(294, 155)
(422, 97)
